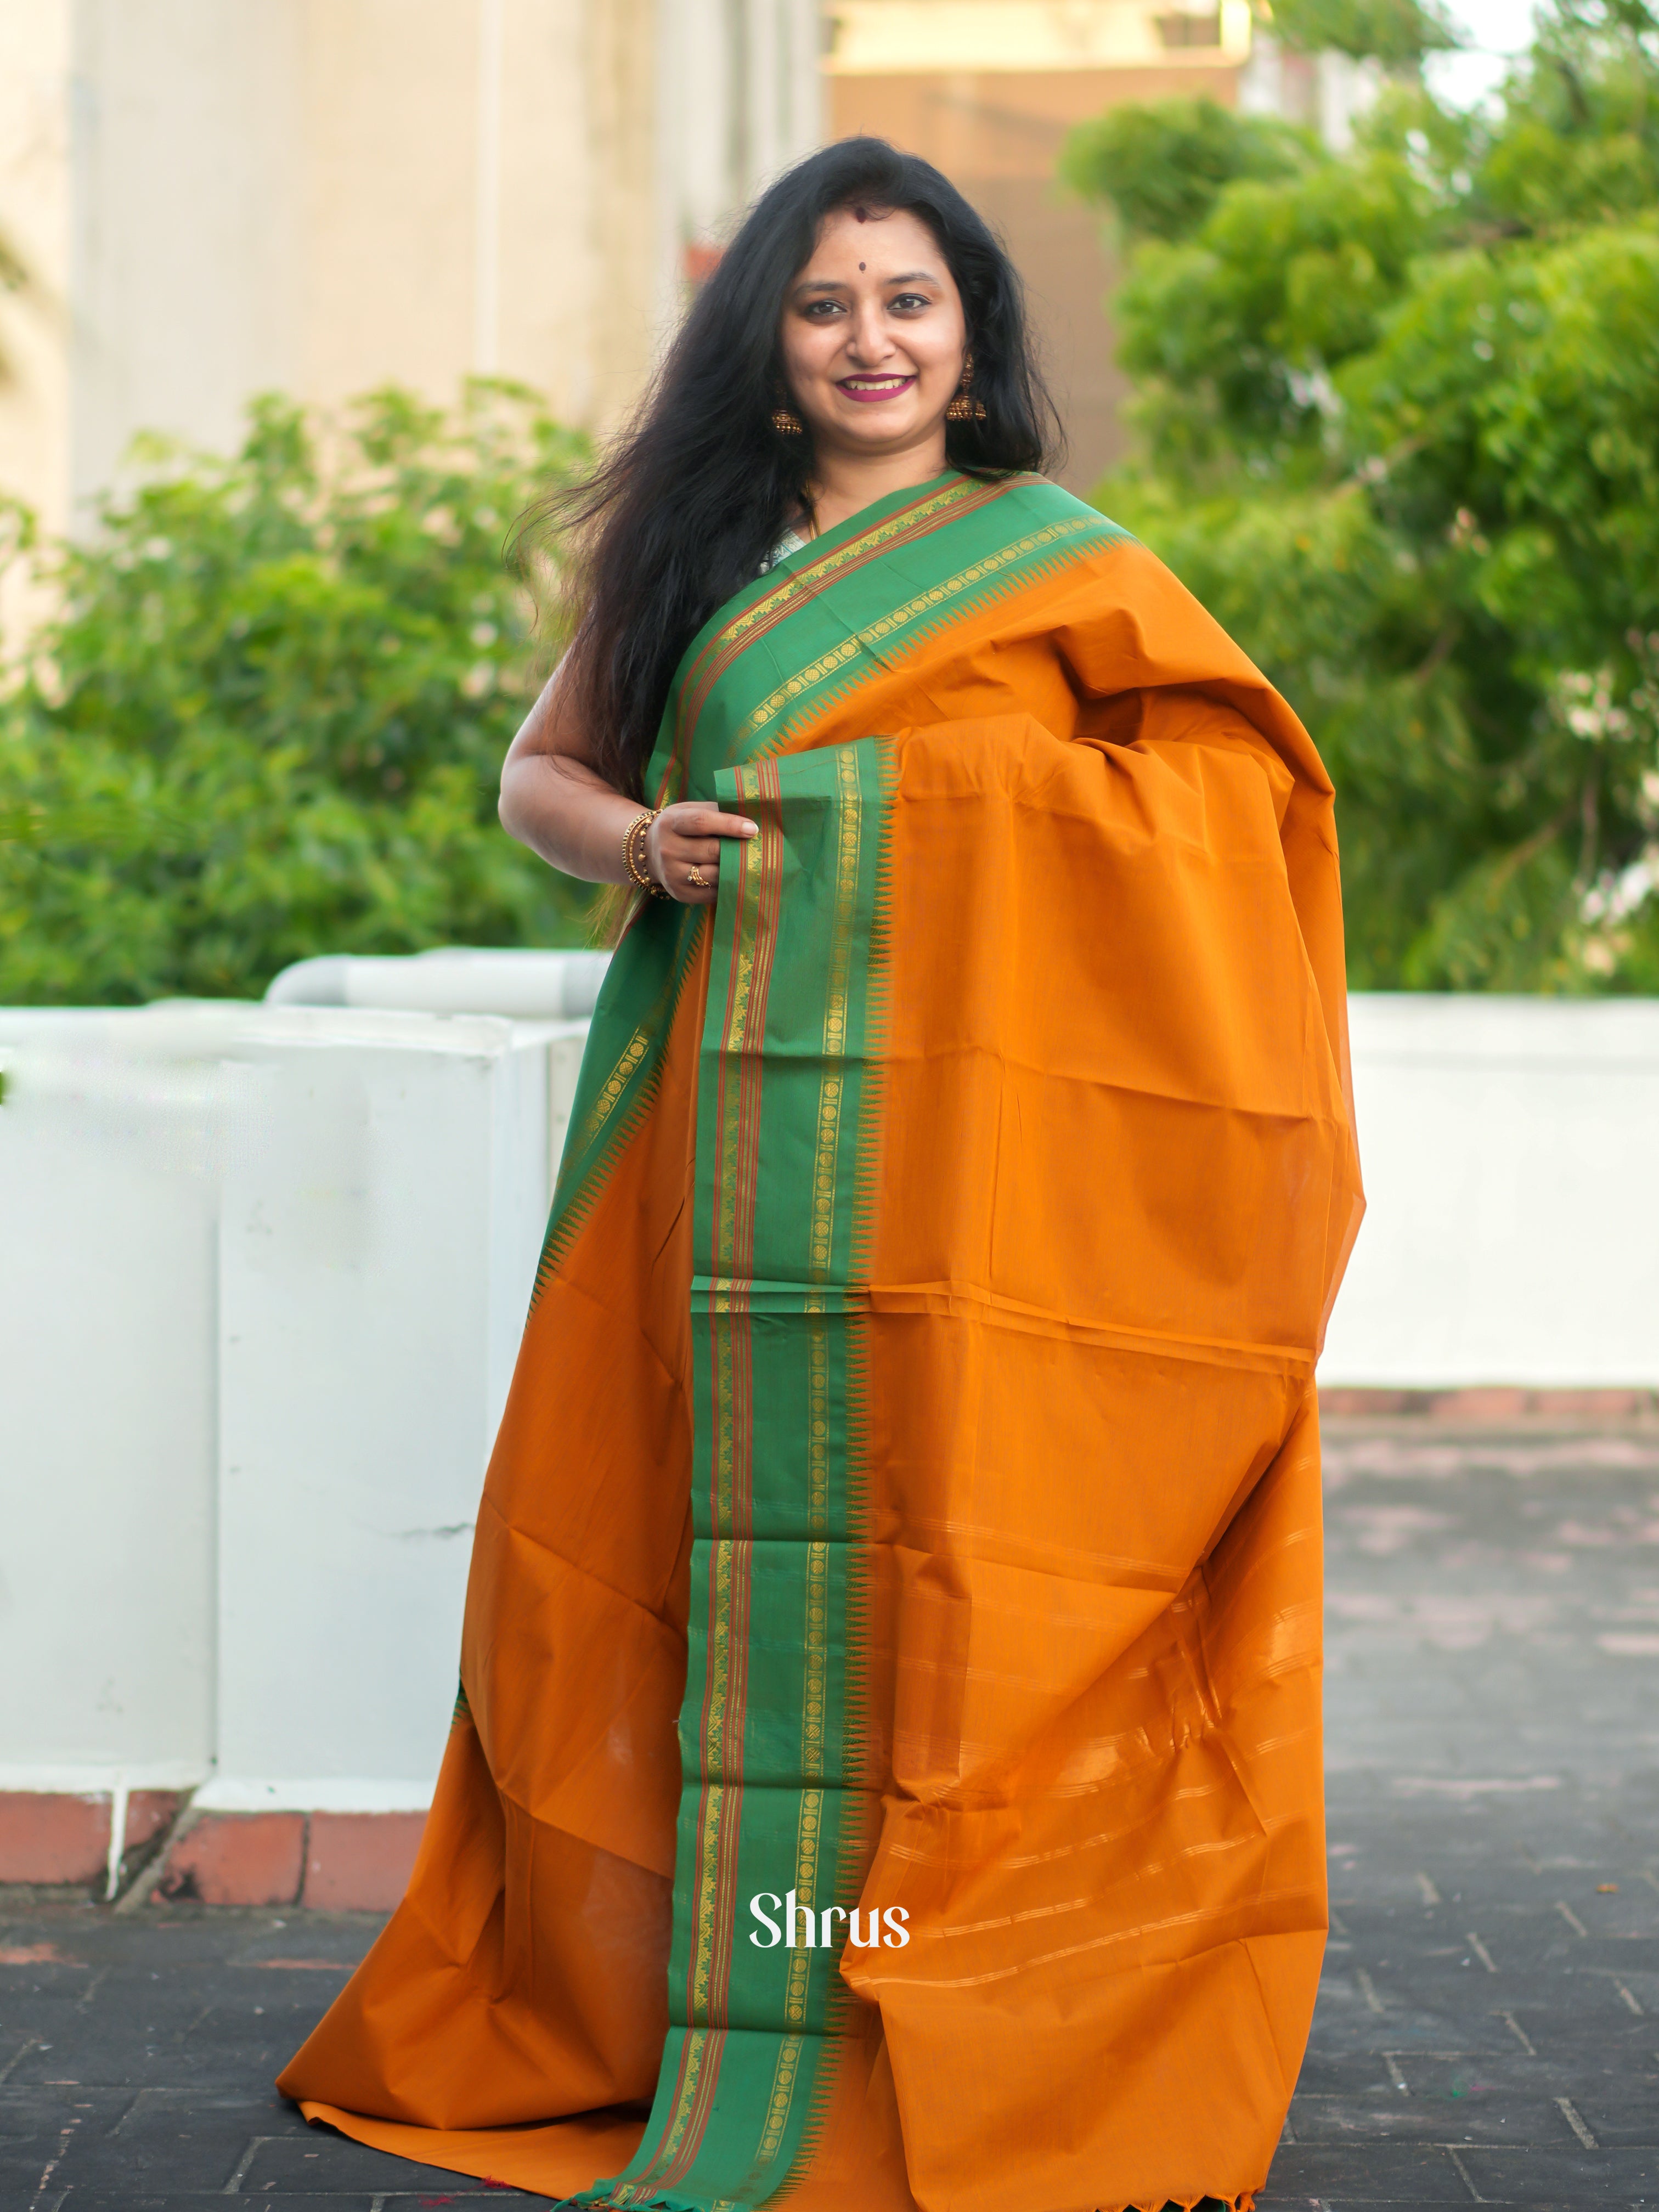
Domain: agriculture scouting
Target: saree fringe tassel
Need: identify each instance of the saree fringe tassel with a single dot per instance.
(888, 1772)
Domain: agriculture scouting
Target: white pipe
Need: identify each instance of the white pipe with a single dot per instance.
(118, 1836)
(82, 1779)
(314, 1794)
(524, 984)
(486, 202)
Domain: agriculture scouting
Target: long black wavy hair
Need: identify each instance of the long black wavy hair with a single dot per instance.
(687, 502)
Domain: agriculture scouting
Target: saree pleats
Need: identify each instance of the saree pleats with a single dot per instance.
(918, 1402)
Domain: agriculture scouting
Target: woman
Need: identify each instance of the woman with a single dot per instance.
(887, 1745)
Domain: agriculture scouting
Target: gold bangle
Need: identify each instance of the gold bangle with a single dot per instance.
(641, 875)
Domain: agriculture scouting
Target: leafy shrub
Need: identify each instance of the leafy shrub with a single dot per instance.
(1162, 164)
(268, 715)
(1396, 33)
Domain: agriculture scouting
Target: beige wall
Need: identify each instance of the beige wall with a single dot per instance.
(221, 196)
(34, 215)
(481, 195)
(385, 141)
(182, 298)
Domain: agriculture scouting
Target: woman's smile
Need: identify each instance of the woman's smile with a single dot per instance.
(867, 389)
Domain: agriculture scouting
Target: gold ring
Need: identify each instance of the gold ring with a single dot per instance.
(697, 877)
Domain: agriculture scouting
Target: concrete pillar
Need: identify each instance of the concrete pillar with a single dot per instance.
(383, 1211)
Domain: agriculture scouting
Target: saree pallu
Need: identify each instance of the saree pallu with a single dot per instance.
(917, 1402)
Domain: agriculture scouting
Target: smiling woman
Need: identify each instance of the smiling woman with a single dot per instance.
(820, 367)
(901, 1548)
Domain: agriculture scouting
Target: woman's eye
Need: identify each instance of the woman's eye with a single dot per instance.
(912, 300)
(821, 310)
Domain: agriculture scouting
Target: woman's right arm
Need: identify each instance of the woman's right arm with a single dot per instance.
(555, 800)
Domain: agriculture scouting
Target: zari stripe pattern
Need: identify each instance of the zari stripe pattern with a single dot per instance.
(822, 564)
(774, 1780)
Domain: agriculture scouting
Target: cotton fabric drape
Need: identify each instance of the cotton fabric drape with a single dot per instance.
(907, 1501)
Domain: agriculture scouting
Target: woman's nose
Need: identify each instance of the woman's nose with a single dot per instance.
(869, 339)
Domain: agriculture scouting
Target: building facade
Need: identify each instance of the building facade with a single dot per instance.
(215, 197)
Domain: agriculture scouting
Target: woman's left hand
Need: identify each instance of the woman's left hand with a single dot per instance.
(682, 848)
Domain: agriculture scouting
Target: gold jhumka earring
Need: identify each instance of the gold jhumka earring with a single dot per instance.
(788, 423)
(964, 408)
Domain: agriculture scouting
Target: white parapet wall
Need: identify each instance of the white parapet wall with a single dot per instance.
(267, 1267)
(1510, 1153)
(112, 1137)
(266, 1271)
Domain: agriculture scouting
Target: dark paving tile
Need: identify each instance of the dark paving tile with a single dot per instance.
(1352, 2074)
(449, 2189)
(1494, 1828)
(1542, 2174)
(126, 2200)
(1493, 2118)
(353, 2200)
(1447, 2077)
(319, 2159)
(1624, 2116)
(37, 2131)
(1366, 2173)
(185, 2141)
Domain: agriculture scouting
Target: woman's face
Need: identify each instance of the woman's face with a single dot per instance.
(874, 334)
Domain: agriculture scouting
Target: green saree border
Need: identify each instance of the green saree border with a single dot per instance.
(1000, 570)
(622, 1067)
(901, 518)
(775, 1796)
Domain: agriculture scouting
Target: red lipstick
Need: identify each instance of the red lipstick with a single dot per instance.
(887, 388)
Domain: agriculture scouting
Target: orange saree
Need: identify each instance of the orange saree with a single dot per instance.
(887, 1765)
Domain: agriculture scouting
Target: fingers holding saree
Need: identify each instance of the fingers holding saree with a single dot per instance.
(684, 845)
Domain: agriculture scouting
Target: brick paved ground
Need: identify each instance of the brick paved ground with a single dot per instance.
(1488, 2030)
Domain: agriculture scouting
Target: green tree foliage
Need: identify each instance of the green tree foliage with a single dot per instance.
(1398, 425)
(268, 717)
(1396, 33)
(1162, 166)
